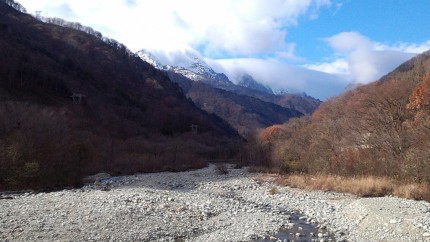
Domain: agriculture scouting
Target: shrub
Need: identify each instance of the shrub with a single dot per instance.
(273, 191)
(361, 186)
(221, 169)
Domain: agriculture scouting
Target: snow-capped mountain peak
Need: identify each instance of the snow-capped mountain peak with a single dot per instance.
(199, 66)
(248, 81)
(190, 66)
(151, 59)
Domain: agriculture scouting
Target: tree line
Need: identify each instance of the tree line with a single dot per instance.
(15, 5)
(382, 129)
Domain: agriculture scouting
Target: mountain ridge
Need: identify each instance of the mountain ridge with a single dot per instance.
(243, 112)
(78, 103)
(250, 87)
(381, 129)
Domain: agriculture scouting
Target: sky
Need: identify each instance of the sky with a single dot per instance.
(320, 47)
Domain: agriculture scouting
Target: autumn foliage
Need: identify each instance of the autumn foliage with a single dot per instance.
(377, 130)
(270, 133)
(420, 97)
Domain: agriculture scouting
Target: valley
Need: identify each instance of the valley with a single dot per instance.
(102, 143)
(204, 205)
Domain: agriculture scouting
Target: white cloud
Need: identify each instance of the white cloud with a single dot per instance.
(289, 54)
(232, 27)
(338, 66)
(412, 48)
(283, 76)
(236, 29)
(176, 57)
(366, 60)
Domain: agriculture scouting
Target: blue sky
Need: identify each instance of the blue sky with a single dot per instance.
(313, 46)
(385, 21)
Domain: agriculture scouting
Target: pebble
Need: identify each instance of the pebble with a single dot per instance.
(198, 205)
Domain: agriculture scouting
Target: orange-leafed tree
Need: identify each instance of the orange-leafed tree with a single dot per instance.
(269, 133)
(420, 97)
(419, 101)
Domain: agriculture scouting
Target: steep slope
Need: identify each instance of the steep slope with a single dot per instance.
(248, 81)
(304, 104)
(245, 113)
(74, 103)
(380, 129)
(197, 70)
(193, 68)
(247, 106)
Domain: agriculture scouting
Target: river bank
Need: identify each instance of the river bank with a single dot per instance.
(203, 205)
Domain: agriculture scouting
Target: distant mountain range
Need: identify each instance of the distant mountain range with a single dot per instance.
(198, 70)
(246, 106)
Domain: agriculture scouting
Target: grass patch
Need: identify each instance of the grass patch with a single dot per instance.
(273, 191)
(263, 169)
(413, 191)
(360, 186)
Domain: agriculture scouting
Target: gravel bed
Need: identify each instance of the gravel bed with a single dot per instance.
(202, 205)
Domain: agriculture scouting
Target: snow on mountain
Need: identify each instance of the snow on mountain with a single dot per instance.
(192, 67)
(185, 72)
(248, 81)
(198, 70)
(283, 92)
(150, 58)
(280, 92)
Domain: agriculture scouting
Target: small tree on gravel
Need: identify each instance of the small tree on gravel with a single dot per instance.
(221, 169)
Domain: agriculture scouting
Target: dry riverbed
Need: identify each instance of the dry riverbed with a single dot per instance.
(202, 205)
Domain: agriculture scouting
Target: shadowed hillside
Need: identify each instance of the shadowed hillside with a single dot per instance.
(244, 112)
(246, 106)
(73, 103)
(304, 104)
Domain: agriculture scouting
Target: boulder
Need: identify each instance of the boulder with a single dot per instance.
(96, 178)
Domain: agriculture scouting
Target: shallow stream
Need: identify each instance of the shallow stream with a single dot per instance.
(299, 230)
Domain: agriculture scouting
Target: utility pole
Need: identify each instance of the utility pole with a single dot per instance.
(194, 128)
(77, 98)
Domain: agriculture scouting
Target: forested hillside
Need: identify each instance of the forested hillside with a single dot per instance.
(244, 112)
(74, 103)
(381, 129)
(246, 106)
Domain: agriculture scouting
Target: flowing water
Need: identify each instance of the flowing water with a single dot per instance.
(299, 230)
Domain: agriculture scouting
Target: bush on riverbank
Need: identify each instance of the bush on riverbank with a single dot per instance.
(361, 186)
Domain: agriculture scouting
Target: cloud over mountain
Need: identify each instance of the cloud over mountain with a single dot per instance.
(255, 36)
(282, 76)
(362, 60)
(237, 27)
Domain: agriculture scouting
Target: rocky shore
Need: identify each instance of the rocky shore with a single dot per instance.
(204, 205)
